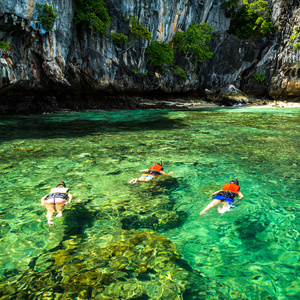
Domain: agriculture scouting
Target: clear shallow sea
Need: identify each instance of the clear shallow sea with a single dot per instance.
(250, 252)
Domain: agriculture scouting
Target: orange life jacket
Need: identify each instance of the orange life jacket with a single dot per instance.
(231, 187)
(156, 167)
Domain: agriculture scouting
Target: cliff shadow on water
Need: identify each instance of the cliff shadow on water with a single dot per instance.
(71, 127)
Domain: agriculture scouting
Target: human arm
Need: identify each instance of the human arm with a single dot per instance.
(166, 174)
(70, 196)
(241, 196)
(146, 170)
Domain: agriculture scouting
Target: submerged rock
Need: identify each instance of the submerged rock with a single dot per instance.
(29, 149)
(5, 166)
(135, 265)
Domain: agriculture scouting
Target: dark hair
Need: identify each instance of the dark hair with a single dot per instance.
(234, 181)
(61, 185)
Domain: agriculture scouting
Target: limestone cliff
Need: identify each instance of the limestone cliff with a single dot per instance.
(75, 64)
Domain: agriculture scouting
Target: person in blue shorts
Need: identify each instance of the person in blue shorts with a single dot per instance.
(225, 197)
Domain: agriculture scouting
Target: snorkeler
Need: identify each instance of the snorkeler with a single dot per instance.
(151, 173)
(225, 196)
(57, 198)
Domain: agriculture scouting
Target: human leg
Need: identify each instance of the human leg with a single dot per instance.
(50, 212)
(59, 206)
(224, 207)
(210, 205)
(145, 179)
(142, 178)
(134, 180)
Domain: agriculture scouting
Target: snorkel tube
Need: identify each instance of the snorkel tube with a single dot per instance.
(161, 162)
(63, 183)
(236, 180)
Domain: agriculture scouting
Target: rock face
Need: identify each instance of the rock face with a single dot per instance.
(74, 64)
(283, 60)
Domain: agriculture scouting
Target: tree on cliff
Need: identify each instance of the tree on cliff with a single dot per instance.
(193, 42)
(160, 54)
(46, 15)
(249, 20)
(94, 12)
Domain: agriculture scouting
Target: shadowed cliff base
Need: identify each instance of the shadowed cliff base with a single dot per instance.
(37, 101)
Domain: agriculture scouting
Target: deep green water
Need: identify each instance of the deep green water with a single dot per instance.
(251, 252)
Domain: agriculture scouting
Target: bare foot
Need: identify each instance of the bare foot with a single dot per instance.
(50, 223)
(59, 215)
(202, 213)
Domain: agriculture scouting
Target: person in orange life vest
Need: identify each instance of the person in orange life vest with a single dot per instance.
(150, 173)
(57, 198)
(225, 196)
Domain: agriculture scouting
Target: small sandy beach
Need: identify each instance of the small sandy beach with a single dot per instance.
(183, 103)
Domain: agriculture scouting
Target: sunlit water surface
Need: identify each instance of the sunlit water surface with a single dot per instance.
(250, 252)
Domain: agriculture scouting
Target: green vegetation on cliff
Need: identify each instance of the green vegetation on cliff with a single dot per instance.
(258, 78)
(137, 29)
(119, 38)
(193, 42)
(296, 46)
(249, 20)
(94, 12)
(46, 15)
(179, 72)
(4, 46)
(160, 54)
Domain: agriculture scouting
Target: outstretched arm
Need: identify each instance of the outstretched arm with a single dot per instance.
(166, 174)
(146, 170)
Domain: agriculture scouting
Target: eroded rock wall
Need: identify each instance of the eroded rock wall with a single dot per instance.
(284, 79)
(76, 58)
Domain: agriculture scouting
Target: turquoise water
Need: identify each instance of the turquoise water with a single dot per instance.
(250, 252)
